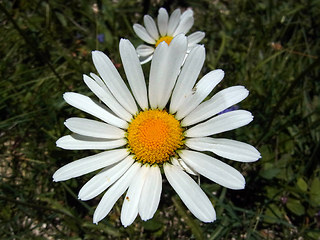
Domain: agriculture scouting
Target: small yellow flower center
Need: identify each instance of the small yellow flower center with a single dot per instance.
(166, 39)
(154, 136)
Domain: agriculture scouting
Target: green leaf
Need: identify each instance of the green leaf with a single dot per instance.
(273, 213)
(152, 225)
(315, 192)
(269, 173)
(302, 185)
(295, 206)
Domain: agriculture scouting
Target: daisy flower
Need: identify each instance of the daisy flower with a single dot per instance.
(164, 31)
(165, 125)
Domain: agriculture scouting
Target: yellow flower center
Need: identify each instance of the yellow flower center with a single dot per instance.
(166, 39)
(154, 136)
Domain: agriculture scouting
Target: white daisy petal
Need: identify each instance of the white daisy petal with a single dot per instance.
(130, 205)
(89, 164)
(150, 195)
(86, 104)
(92, 128)
(106, 96)
(186, 14)
(231, 149)
(133, 70)
(185, 24)
(104, 179)
(219, 102)
(144, 50)
(163, 18)
(151, 26)
(171, 69)
(173, 22)
(190, 193)
(143, 34)
(114, 192)
(114, 82)
(146, 59)
(213, 169)
(200, 92)
(183, 166)
(79, 142)
(187, 77)
(222, 123)
(99, 81)
(156, 71)
(195, 38)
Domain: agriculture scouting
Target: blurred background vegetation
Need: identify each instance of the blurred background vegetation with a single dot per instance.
(271, 47)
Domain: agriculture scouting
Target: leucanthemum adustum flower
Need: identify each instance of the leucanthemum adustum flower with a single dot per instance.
(143, 132)
(164, 31)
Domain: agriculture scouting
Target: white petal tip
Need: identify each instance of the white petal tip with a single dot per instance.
(56, 179)
(210, 220)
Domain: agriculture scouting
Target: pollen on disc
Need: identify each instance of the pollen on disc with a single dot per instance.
(154, 136)
(166, 39)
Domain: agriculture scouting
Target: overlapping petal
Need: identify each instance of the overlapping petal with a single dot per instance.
(219, 102)
(114, 82)
(190, 193)
(79, 142)
(104, 179)
(93, 128)
(213, 169)
(222, 123)
(114, 192)
(231, 149)
(89, 164)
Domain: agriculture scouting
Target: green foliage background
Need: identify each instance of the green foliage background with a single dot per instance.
(271, 47)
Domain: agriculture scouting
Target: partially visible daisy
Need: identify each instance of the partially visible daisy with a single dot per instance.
(164, 31)
(143, 132)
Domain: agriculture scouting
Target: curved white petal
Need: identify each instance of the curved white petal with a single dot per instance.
(186, 14)
(130, 205)
(114, 82)
(183, 166)
(187, 77)
(144, 50)
(146, 59)
(99, 81)
(231, 149)
(143, 34)
(190, 193)
(89, 164)
(104, 179)
(103, 93)
(156, 69)
(79, 142)
(163, 18)
(213, 169)
(219, 102)
(133, 70)
(165, 68)
(222, 123)
(185, 24)
(114, 192)
(87, 105)
(150, 195)
(93, 128)
(195, 38)
(151, 26)
(173, 22)
(200, 92)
